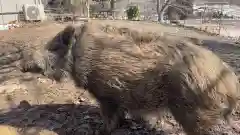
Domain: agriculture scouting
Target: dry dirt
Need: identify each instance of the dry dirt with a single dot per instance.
(34, 105)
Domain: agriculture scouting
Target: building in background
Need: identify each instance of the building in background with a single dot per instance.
(9, 9)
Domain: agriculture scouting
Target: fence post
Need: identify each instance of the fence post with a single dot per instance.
(17, 14)
(220, 20)
(1, 11)
(88, 10)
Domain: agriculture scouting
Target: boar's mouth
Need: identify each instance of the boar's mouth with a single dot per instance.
(51, 61)
(34, 68)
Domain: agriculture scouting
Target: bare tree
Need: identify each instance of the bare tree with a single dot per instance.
(158, 10)
(161, 11)
(112, 3)
(183, 7)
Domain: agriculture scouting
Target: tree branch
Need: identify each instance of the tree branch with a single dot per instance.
(169, 3)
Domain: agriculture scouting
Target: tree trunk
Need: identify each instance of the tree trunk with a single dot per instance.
(163, 9)
(158, 10)
(113, 6)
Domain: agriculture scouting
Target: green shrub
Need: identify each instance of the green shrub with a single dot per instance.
(133, 12)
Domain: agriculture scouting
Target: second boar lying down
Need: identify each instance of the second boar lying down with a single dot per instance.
(143, 72)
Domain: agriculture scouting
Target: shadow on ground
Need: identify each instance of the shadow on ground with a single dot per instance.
(227, 51)
(214, 45)
(63, 119)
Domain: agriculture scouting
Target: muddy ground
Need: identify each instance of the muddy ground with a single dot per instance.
(34, 105)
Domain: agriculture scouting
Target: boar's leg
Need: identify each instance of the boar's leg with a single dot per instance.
(113, 115)
(187, 117)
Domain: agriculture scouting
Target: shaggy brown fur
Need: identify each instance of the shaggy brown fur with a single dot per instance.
(145, 72)
(50, 57)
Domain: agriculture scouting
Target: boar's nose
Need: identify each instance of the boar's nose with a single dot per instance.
(32, 69)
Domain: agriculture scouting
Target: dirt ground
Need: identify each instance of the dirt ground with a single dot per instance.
(31, 104)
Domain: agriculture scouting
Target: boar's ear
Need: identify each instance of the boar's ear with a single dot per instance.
(67, 34)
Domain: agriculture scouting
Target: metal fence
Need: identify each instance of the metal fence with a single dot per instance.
(13, 10)
(83, 9)
(68, 10)
(216, 18)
